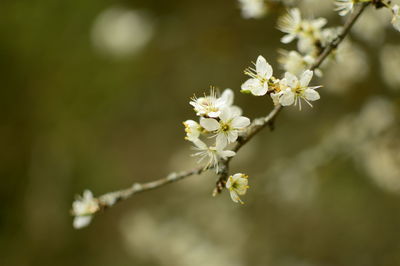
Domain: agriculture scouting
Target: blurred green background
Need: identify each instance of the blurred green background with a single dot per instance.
(81, 110)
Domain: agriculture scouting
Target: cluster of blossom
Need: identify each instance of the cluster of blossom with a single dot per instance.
(286, 91)
(311, 38)
(347, 6)
(222, 122)
(83, 209)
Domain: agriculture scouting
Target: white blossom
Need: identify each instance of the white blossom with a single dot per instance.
(293, 90)
(192, 129)
(291, 24)
(258, 83)
(237, 185)
(83, 208)
(213, 153)
(396, 17)
(252, 8)
(211, 105)
(294, 62)
(307, 31)
(227, 128)
(345, 6)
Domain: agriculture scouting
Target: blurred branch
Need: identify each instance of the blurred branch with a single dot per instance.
(258, 124)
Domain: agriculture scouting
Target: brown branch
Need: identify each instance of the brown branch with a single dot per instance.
(109, 199)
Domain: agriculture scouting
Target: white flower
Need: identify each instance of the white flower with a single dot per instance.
(307, 31)
(291, 24)
(253, 8)
(396, 17)
(258, 84)
(292, 90)
(192, 129)
(237, 185)
(83, 208)
(213, 153)
(227, 128)
(294, 62)
(211, 105)
(345, 6)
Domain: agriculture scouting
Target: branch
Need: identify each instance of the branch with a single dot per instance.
(109, 199)
(260, 123)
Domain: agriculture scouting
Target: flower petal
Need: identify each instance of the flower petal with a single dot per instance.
(263, 68)
(82, 221)
(290, 80)
(306, 78)
(288, 38)
(225, 114)
(227, 96)
(240, 122)
(209, 124)
(287, 98)
(311, 95)
(221, 141)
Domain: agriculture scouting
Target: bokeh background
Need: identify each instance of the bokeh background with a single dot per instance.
(93, 94)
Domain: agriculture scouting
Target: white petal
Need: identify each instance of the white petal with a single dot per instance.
(295, 13)
(225, 114)
(221, 141)
(306, 78)
(228, 153)
(214, 114)
(220, 145)
(249, 84)
(228, 183)
(260, 90)
(288, 38)
(234, 196)
(82, 221)
(311, 95)
(240, 122)
(236, 176)
(275, 97)
(87, 194)
(236, 111)
(232, 136)
(287, 98)
(228, 97)
(263, 68)
(319, 22)
(199, 144)
(209, 124)
(291, 80)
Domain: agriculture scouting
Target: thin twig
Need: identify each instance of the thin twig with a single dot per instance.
(109, 199)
